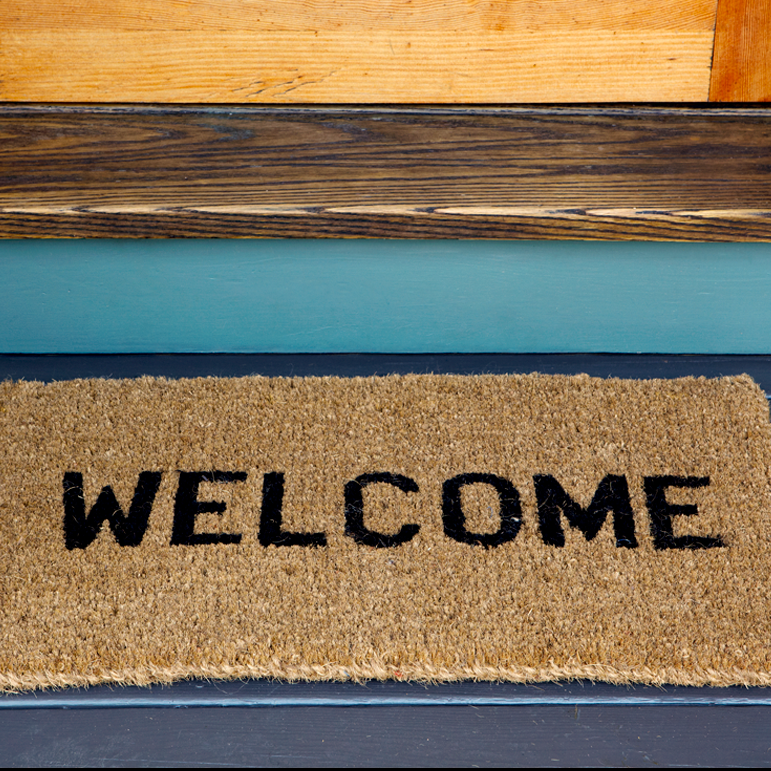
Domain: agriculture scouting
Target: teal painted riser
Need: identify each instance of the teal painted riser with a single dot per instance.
(108, 296)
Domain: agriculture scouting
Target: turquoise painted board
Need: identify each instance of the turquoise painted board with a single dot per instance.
(108, 296)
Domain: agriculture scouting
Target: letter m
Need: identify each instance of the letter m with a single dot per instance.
(80, 530)
(612, 495)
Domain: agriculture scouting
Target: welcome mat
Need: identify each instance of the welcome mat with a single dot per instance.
(434, 528)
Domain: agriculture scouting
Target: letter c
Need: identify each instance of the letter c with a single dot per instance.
(354, 511)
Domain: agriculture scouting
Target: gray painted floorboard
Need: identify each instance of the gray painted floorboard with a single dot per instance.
(462, 736)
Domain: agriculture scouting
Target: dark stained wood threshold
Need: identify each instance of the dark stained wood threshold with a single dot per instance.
(644, 172)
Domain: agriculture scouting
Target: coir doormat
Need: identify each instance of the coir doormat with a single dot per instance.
(422, 527)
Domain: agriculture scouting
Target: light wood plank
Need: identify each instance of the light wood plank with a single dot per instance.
(343, 67)
(397, 16)
(346, 51)
(741, 69)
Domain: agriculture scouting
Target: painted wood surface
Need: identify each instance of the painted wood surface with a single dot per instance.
(115, 296)
(332, 51)
(590, 173)
(449, 736)
(272, 694)
(51, 367)
(741, 69)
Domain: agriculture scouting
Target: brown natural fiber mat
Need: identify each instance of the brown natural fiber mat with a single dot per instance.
(415, 527)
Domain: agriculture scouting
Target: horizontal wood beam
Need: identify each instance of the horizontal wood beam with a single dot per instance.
(602, 172)
(355, 51)
(376, 51)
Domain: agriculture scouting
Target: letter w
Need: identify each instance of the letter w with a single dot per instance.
(80, 530)
(612, 495)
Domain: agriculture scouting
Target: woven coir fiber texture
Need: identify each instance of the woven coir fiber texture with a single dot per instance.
(420, 527)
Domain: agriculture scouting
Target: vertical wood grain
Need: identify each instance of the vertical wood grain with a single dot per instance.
(741, 67)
